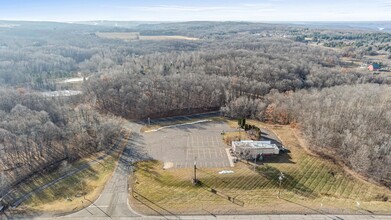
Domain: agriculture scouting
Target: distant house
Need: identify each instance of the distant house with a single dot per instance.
(374, 67)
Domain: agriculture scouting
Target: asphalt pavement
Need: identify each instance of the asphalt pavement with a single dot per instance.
(113, 201)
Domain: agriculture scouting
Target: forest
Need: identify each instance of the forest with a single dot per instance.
(349, 123)
(37, 132)
(247, 70)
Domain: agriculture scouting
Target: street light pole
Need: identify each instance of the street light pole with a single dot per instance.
(255, 162)
(280, 177)
(195, 171)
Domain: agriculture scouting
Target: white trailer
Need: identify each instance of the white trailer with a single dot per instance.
(255, 148)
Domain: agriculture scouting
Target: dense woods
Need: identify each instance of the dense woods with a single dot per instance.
(349, 123)
(251, 70)
(36, 132)
(161, 83)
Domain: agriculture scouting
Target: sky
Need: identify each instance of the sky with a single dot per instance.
(200, 10)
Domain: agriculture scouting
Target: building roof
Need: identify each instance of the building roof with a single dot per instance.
(254, 144)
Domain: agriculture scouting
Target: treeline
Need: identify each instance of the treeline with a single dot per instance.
(368, 43)
(351, 124)
(36, 132)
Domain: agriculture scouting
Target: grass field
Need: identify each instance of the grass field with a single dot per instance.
(128, 36)
(75, 192)
(311, 185)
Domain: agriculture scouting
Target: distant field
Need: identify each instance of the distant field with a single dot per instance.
(311, 185)
(127, 36)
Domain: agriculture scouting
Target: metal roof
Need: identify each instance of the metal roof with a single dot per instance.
(254, 144)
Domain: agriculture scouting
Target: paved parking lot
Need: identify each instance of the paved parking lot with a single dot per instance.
(180, 118)
(180, 146)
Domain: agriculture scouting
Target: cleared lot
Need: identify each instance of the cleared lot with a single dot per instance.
(310, 185)
(180, 146)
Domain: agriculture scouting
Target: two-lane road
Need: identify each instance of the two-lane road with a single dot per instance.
(113, 201)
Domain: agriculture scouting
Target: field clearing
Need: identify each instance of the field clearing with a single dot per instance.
(311, 185)
(129, 36)
(77, 191)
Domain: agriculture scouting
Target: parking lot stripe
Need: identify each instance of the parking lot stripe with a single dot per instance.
(216, 139)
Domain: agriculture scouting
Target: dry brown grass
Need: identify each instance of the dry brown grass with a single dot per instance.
(176, 37)
(235, 136)
(76, 192)
(68, 195)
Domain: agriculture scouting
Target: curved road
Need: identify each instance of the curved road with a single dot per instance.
(113, 201)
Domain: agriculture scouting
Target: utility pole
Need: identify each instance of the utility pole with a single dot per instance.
(280, 178)
(255, 163)
(195, 171)
(239, 133)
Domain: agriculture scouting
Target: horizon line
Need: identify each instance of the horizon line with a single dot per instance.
(177, 21)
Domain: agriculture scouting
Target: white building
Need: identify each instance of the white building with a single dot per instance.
(255, 148)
